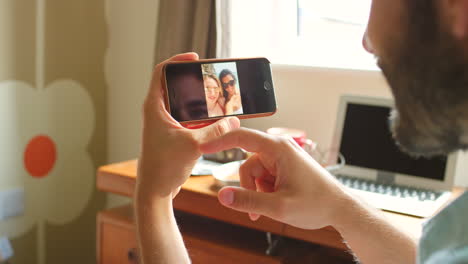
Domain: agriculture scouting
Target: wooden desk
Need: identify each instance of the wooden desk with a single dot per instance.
(198, 196)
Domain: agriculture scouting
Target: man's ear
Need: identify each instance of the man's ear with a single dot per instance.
(456, 15)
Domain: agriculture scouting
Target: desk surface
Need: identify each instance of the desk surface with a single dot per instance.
(199, 196)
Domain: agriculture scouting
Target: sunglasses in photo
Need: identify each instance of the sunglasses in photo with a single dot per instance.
(230, 83)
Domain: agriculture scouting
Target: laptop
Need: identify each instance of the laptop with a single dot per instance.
(377, 171)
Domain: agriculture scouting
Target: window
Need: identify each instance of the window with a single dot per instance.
(323, 33)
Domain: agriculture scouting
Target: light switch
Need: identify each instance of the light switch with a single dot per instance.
(6, 251)
(11, 203)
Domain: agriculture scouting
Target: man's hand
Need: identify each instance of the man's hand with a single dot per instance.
(280, 181)
(283, 182)
(169, 151)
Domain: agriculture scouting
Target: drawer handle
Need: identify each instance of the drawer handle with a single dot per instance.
(132, 255)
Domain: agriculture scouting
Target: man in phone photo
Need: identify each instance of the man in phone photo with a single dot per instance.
(422, 49)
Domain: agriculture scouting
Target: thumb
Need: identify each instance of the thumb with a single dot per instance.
(247, 201)
(217, 129)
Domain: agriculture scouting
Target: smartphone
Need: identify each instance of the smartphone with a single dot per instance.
(206, 90)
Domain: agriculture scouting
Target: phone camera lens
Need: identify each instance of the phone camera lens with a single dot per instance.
(267, 86)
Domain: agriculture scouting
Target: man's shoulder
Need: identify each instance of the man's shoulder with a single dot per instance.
(445, 236)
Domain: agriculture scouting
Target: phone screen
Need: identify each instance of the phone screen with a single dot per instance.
(199, 91)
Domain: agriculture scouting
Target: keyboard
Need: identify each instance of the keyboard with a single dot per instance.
(397, 198)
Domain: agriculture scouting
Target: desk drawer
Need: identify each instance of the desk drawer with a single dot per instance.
(211, 241)
(207, 240)
(116, 238)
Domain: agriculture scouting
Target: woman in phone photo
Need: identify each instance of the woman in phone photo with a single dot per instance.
(213, 93)
(233, 102)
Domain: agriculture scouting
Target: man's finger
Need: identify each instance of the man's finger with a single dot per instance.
(266, 183)
(248, 139)
(217, 129)
(254, 175)
(247, 201)
(249, 171)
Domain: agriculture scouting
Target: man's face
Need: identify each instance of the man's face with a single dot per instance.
(191, 103)
(426, 69)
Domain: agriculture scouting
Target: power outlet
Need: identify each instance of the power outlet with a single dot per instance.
(6, 251)
(11, 203)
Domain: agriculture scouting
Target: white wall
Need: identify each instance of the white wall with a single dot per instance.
(308, 98)
(129, 63)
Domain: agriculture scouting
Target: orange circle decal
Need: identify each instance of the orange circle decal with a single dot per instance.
(40, 156)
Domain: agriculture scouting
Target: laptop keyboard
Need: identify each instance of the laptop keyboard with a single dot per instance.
(403, 199)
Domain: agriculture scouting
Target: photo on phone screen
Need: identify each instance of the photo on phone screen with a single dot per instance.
(199, 91)
(222, 90)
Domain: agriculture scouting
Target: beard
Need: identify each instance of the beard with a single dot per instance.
(428, 75)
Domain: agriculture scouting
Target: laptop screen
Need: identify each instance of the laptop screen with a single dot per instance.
(366, 142)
